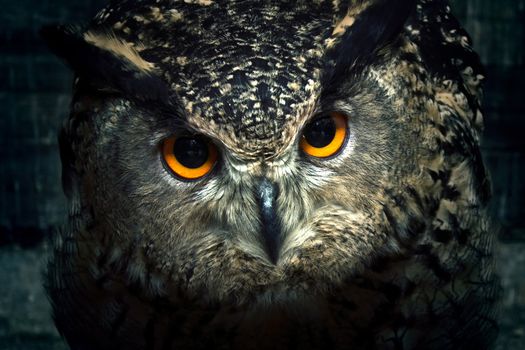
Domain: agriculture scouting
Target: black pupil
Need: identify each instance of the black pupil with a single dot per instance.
(191, 152)
(320, 132)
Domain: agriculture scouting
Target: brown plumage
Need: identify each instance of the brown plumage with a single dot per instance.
(384, 244)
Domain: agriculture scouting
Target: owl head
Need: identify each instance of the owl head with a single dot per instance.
(248, 154)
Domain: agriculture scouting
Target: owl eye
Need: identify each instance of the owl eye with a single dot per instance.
(324, 136)
(189, 157)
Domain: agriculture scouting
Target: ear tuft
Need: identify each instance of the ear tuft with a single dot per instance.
(63, 40)
(106, 61)
(363, 35)
(108, 41)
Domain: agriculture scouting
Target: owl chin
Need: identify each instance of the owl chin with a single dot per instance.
(250, 282)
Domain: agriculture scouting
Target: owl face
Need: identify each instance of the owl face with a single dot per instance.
(248, 154)
(267, 215)
(259, 160)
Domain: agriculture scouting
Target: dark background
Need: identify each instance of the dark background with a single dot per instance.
(34, 99)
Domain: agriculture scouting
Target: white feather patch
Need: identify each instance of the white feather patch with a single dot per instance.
(108, 41)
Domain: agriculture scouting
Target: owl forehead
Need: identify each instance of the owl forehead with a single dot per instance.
(246, 72)
(253, 88)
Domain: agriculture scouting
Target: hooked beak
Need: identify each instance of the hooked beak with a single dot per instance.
(267, 192)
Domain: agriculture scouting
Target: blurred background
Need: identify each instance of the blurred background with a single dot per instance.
(34, 99)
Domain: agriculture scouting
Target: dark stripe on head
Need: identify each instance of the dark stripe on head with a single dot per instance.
(374, 28)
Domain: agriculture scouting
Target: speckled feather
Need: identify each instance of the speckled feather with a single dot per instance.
(385, 246)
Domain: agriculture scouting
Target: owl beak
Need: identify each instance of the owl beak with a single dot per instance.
(267, 192)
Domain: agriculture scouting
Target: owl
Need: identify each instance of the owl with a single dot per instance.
(273, 175)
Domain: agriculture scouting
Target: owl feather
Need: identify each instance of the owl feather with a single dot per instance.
(273, 175)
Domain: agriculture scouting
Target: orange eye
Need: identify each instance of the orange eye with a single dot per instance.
(189, 157)
(324, 136)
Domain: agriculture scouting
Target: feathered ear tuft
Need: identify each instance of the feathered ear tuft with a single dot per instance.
(106, 61)
(363, 35)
